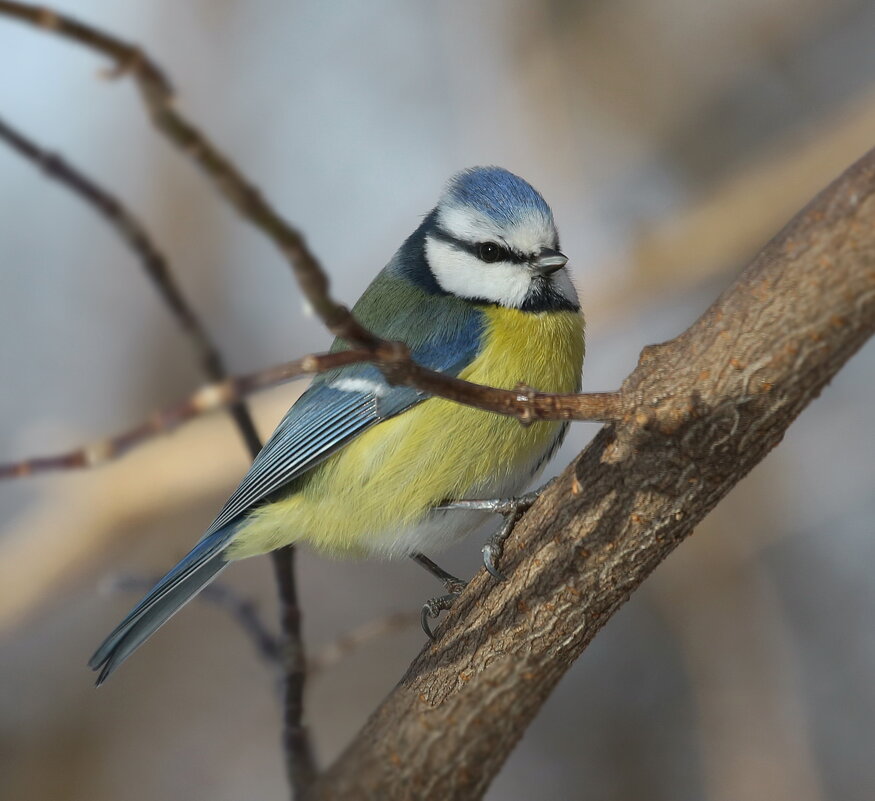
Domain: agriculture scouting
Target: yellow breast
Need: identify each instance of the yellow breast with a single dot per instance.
(388, 478)
(543, 351)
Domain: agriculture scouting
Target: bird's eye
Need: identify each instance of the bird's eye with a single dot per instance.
(489, 251)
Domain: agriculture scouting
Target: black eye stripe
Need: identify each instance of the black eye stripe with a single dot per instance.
(474, 247)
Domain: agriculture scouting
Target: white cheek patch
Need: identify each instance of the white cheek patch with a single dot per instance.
(463, 274)
(359, 385)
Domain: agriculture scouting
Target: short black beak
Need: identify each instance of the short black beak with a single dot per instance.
(548, 261)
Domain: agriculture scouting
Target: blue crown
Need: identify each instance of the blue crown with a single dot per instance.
(497, 193)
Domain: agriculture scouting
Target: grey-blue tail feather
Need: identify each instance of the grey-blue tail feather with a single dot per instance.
(166, 598)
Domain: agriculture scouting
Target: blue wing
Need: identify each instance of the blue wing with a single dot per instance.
(337, 408)
(443, 333)
(323, 420)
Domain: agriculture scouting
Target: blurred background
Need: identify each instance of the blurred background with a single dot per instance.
(672, 139)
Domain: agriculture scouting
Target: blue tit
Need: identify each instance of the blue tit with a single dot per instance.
(357, 467)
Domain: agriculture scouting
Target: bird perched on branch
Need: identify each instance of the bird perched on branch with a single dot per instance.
(359, 467)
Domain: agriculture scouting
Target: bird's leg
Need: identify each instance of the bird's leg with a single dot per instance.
(511, 509)
(449, 581)
(432, 608)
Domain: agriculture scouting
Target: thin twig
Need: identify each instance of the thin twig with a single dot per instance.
(209, 398)
(130, 229)
(244, 611)
(157, 94)
(399, 368)
(300, 759)
(154, 84)
(393, 358)
(351, 641)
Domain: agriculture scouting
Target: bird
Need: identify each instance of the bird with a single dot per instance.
(360, 468)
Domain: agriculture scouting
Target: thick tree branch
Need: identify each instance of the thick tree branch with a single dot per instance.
(710, 405)
(694, 417)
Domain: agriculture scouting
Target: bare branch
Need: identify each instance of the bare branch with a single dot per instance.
(297, 746)
(209, 398)
(156, 267)
(212, 398)
(126, 56)
(351, 641)
(711, 404)
(392, 358)
(131, 231)
(157, 94)
(153, 84)
(243, 610)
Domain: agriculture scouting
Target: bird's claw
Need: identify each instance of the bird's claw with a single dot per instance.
(432, 608)
(511, 509)
(494, 548)
(491, 554)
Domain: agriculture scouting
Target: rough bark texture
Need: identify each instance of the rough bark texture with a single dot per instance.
(708, 406)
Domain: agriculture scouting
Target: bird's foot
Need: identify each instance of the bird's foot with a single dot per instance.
(493, 548)
(511, 509)
(433, 607)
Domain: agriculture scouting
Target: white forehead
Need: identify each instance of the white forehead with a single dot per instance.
(528, 233)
